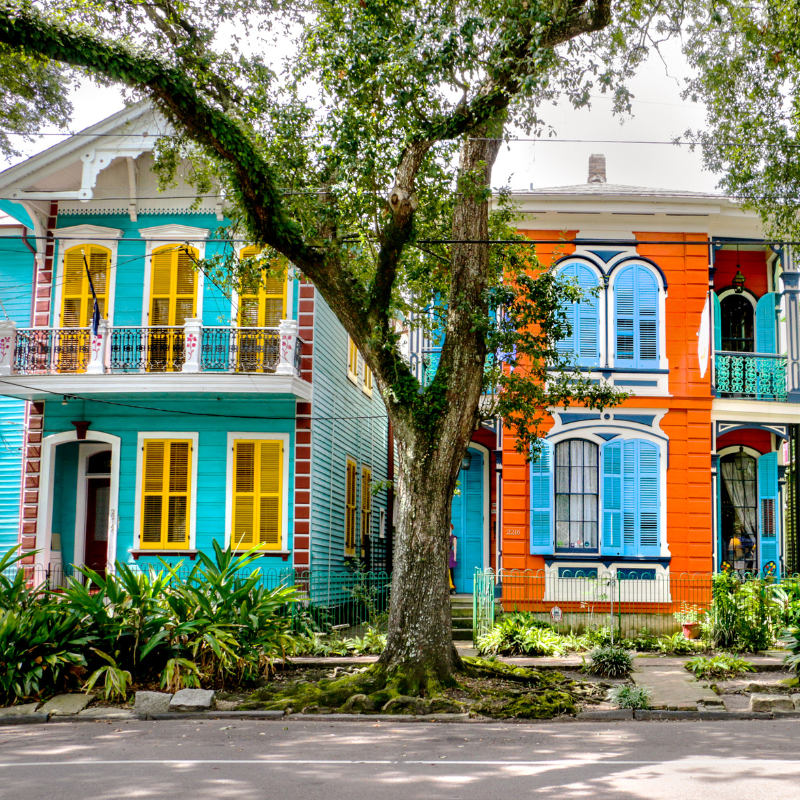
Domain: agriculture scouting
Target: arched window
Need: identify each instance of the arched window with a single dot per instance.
(739, 511)
(583, 318)
(576, 496)
(636, 318)
(737, 328)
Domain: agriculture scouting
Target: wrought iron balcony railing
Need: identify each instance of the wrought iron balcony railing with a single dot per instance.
(758, 376)
(132, 349)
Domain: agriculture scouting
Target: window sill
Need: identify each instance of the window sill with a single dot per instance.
(283, 554)
(607, 561)
(137, 554)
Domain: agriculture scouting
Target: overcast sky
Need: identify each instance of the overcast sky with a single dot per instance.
(659, 114)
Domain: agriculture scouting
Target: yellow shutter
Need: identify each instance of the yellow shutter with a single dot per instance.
(262, 303)
(166, 493)
(350, 510)
(352, 360)
(257, 494)
(77, 303)
(367, 385)
(173, 287)
(366, 502)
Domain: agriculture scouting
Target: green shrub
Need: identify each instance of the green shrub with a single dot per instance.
(41, 651)
(115, 681)
(677, 644)
(719, 666)
(630, 696)
(609, 661)
(521, 634)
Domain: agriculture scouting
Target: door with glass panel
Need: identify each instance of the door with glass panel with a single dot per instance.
(262, 306)
(173, 300)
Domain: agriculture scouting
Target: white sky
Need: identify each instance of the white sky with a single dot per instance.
(659, 114)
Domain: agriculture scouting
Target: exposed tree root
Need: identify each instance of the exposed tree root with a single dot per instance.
(485, 688)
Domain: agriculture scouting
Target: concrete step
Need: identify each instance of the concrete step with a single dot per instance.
(462, 622)
(462, 635)
(461, 612)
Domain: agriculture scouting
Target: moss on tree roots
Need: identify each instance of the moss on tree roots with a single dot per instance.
(484, 688)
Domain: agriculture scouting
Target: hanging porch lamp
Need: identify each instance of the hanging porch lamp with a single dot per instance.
(741, 460)
(738, 278)
(466, 462)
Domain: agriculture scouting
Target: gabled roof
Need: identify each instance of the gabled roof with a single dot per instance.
(141, 121)
(615, 190)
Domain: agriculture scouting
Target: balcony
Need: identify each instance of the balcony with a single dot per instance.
(178, 351)
(754, 376)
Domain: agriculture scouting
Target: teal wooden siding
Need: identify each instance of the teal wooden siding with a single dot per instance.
(16, 275)
(210, 489)
(346, 422)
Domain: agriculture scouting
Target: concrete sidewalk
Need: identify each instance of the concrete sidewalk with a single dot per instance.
(672, 687)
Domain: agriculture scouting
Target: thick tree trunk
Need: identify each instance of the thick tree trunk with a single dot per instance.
(430, 447)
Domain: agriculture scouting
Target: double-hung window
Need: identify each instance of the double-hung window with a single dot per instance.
(587, 498)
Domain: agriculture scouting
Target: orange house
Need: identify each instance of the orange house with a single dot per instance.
(696, 318)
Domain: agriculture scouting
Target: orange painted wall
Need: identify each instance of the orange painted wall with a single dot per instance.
(687, 423)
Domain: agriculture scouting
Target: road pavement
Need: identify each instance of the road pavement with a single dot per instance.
(260, 760)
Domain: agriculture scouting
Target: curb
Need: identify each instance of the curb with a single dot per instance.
(214, 715)
(701, 715)
(386, 718)
(616, 714)
(24, 719)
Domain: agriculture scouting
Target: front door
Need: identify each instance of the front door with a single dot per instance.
(97, 498)
(467, 518)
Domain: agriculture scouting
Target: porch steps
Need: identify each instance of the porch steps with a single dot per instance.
(461, 616)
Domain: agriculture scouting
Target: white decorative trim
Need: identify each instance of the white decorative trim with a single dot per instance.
(285, 488)
(734, 448)
(96, 236)
(44, 518)
(595, 590)
(746, 295)
(43, 387)
(183, 233)
(194, 436)
(79, 547)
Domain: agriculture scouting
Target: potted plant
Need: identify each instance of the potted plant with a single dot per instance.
(689, 619)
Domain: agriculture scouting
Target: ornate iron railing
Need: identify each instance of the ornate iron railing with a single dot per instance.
(46, 350)
(151, 349)
(240, 349)
(760, 376)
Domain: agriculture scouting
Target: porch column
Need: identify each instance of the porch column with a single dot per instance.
(791, 291)
(8, 342)
(97, 357)
(288, 333)
(192, 344)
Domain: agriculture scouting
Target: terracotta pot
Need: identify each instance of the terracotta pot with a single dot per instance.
(690, 629)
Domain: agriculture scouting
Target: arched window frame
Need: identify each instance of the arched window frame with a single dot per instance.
(748, 296)
(93, 236)
(598, 434)
(600, 307)
(616, 271)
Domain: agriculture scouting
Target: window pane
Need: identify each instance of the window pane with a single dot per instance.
(576, 495)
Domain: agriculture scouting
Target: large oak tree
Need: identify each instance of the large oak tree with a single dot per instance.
(365, 159)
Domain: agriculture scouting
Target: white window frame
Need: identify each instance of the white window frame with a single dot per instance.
(90, 235)
(194, 437)
(619, 267)
(156, 237)
(601, 304)
(257, 436)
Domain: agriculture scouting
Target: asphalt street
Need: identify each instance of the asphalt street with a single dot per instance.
(254, 760)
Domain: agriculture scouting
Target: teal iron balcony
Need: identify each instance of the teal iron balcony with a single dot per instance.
(756, 376)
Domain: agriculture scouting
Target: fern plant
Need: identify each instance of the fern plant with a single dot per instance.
(719, 666)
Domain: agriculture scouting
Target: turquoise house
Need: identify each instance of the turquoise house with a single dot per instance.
(189, 412)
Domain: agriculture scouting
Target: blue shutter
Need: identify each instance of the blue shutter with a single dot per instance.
(766, 324)
(768, 513)
(717, 311)
(630, 469)
(611, 481)
(542, 501)
(583, 319)
(625, 305)
(636, 317)
(648, 505)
